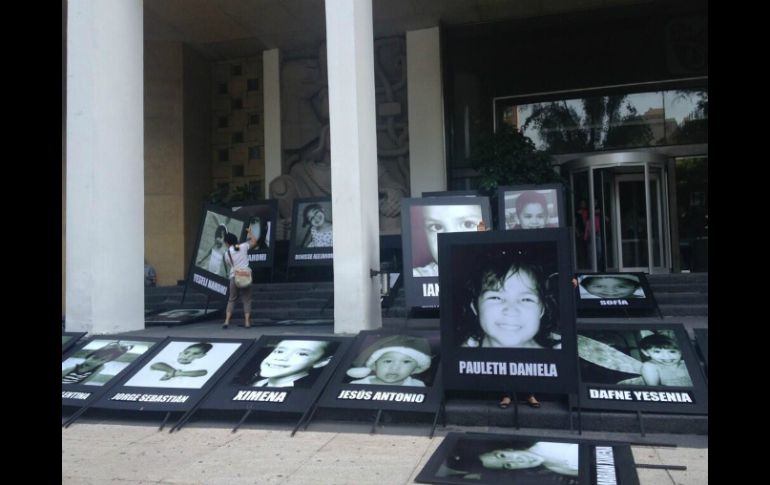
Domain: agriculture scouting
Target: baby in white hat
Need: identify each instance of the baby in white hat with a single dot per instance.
(393, 359)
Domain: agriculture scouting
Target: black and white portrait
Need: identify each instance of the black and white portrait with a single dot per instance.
(211, 247)
(511, 460)
(531, 209)
(100, 360)
(313, 225)
(394, 360)
(505, 296)
(183, 365)
(644, 357)
(428, 221)
(287, 363)
(609, 286)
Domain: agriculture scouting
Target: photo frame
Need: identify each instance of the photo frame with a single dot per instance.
(640, 367)
(486, 458)
(262, 216)
(388, 370)
(180, 316)
(702, 342)
(177, 374)
(296, 368)
(531, 207)
(419, 239)
(68, 339)
(507, 316)
(452, 193)
(93, 366)
(311, 242)
(208, 270)
(610, 294)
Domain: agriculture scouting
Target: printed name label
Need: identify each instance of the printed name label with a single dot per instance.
(172, 398)
(640, 396)
(381, 396)
(538, 369)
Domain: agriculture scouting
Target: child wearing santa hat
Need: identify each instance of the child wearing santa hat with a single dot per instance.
(393, 360)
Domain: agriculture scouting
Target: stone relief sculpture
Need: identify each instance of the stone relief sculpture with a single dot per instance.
(305, 125)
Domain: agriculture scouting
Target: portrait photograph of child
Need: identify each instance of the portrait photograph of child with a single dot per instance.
(183, 365)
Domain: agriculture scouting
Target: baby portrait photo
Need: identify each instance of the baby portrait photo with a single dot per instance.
(183, 365)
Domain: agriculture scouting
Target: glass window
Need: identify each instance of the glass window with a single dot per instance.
(610, 122)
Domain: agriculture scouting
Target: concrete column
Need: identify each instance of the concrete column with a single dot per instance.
(271, 75)
(355, 204)
(426, 112)
(105, 167)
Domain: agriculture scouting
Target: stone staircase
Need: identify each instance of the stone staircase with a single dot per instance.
(269, 301)
(681, 294)
(678, 295)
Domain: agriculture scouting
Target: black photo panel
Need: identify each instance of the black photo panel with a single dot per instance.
(178, 373)
(531, 207)
(180, 316)
(311, 235)
(280, 373)
(95, 365)
(261, 217)
(389, 370)
(507, 320)
(209, 271)
(422, 220)
(640, 367)
(451, 193)
(68, 339)
(608, 294)
(485, 458)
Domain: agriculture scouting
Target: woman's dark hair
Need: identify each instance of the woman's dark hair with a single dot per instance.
(231, 240)
(306, 211)
(491, 274)
(221, 231)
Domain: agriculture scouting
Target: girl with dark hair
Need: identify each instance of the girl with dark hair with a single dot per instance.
(319, 232)
(509, 305)
(531, 211)
(238, 259)
(260, 228)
